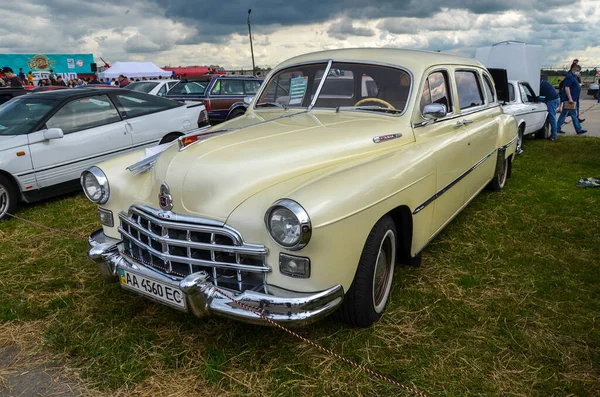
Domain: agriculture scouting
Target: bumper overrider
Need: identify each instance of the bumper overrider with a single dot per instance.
(202, 298)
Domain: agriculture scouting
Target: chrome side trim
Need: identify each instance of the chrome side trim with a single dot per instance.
(451, 184)
(509, 143)
(455, 116)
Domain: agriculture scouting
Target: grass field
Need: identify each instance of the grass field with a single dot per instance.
(507, 302)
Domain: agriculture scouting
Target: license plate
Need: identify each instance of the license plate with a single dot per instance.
(156, 290)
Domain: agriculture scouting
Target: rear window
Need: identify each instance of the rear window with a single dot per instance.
(189, 88)
(143, 86)
(469, 91)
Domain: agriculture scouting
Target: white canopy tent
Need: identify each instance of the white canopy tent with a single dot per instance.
(133, 69)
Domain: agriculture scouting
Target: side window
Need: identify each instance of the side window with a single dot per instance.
(527, 93)
(251, 86)
(437, 90)
(84, 113)
(189, 88)
(489, 90)
(232, 87)
(469, 90)
(511, 93)
(216, 88)
(162, 91)
(135, 104)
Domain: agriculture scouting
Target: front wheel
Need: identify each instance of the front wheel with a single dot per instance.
(8, 197)
(545, 132)
(369, 293)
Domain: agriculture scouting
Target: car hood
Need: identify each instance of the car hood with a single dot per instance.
(212, 177)
(9, 142)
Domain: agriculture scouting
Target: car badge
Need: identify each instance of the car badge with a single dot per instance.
(383, 138)
(164, 197)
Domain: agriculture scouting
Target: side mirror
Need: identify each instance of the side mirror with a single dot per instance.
(53, 133)
(435, 111)
(248, 99)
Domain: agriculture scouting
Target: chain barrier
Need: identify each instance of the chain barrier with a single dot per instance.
(257, 311)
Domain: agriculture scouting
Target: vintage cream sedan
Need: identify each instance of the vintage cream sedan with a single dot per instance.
(346, 163)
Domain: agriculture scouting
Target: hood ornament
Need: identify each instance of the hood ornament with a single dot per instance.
(165, 200)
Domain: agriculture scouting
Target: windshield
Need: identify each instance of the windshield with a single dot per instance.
(347, 85)
(145, 86)
(20, 115)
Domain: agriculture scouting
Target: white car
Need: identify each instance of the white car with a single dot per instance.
(47, 139)
(152, 87)
(531, 113)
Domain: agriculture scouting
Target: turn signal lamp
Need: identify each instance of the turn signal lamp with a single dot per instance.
(187, 140)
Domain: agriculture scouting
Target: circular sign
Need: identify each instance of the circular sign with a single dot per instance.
(79, 63)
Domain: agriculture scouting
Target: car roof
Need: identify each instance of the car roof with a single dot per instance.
(414, 60)
(220, 76)
(73, 93)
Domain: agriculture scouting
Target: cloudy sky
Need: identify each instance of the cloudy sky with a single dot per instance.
(196, 32)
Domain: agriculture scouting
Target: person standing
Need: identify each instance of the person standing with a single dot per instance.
(571, 93)
(11, 78)
(576, 63)
(22, 75)
(30, 78)
(552, 100)
(123, 81)
(60, 82)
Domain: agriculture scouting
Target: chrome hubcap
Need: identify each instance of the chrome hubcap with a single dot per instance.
(384, 269)
(3, 201)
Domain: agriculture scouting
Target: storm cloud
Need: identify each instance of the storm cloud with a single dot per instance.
(181, 32)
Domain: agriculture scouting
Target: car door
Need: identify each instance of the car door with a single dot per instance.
(535, 111)
(223, 94)
(447, 141)
(149, 118)
(93, 132)
(478, 109)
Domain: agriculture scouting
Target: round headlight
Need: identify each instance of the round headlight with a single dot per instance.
(95, 185)
(288, 224)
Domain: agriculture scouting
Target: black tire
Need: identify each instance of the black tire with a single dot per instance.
(365, 302)
(8, 197)
(170, 137)
(499, 180)
(236, 113)
(520, 139)
(545, 132)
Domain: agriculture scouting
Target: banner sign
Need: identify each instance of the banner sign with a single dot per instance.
(66, 65)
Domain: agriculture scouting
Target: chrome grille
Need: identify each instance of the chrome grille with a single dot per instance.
(181, 245)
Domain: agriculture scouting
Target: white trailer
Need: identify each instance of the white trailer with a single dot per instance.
(523, 62)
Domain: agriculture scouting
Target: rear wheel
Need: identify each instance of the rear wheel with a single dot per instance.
(499, 180)
(520, 140)
(369, 293)
(8, 197)
(236, 113)
(170, 137)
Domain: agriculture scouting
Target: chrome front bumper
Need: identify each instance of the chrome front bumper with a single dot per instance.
(202, 298)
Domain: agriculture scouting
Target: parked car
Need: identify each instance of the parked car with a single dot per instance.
(223, 95)
(8, 93)
(47, 139)
(153, 87)
(593, 90)
(530, 111)
(303, 206)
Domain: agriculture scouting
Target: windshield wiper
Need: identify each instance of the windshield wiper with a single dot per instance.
(374, 108)
(277, 104)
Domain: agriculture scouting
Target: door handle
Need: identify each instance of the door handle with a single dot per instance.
(466, 121)
(459, 124)
(128, 128)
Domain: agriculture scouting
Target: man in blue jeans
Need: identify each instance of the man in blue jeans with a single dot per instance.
(552, 100)
(571, 93)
